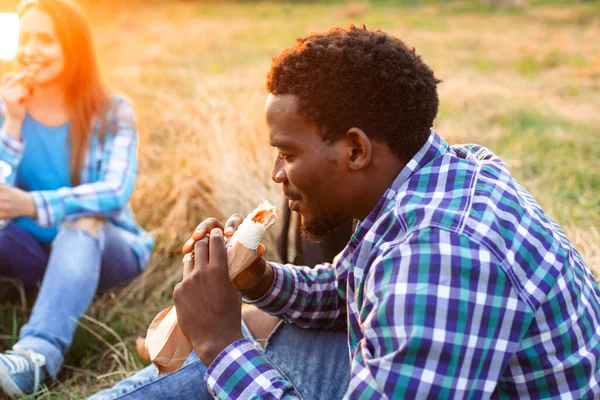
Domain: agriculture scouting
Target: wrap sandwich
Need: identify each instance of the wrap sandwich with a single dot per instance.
(167, 346)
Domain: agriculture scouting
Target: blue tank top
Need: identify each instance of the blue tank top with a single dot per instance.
(44, 166)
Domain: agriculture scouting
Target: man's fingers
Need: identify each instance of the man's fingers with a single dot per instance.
(188, 265)
(205, 227)
(232, 224)
(201, 252)
(218, 254)
(201, 230)
(188, 246)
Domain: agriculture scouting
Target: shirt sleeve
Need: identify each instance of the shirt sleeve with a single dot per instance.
(307, 297)
(440, 320)
(111, 193)
(242, 371)
(11, 149)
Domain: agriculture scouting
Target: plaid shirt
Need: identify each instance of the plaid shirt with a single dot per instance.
(456, 285)
(107, 179)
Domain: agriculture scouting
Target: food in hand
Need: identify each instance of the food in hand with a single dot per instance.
(167, 346)
(252, 229)
(244, 246)
(28, 79)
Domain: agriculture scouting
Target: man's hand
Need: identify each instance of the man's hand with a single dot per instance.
(208, 225)
(15, 202)
(208, 308)
(254, 281)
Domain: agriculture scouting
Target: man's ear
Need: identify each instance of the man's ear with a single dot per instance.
(360, 149)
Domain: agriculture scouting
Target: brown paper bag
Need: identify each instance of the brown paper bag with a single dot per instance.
(167, 345)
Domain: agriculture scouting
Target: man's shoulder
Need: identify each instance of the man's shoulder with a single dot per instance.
(470, 190)
(438, 195)
(495, 211)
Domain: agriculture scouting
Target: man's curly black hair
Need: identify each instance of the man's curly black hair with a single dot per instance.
(361, 78)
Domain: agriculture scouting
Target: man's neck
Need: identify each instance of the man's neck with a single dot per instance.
(383, 171)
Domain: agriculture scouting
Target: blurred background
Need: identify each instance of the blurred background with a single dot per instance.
(519, 76)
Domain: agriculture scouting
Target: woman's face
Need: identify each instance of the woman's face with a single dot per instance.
(39, 47)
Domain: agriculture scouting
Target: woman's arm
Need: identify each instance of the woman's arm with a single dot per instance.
(11, 149)
(111, 193)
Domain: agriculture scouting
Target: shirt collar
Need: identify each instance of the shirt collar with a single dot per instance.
(433, 148)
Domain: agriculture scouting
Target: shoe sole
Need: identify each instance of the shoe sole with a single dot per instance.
(9, 386)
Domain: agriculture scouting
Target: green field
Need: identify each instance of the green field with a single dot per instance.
(524, 82)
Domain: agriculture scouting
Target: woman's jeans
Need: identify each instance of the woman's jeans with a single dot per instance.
(315, 361)
(71, 270)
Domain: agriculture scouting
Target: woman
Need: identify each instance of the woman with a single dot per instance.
(72, 148)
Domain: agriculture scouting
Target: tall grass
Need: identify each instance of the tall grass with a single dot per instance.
(524, 83)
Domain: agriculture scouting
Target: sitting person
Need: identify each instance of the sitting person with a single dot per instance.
(72, 147)
(455, 284)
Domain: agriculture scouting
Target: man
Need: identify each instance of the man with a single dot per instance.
(455, 283)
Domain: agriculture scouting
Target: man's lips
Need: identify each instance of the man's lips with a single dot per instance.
(291, 195)
(293, 205)
(293, 199)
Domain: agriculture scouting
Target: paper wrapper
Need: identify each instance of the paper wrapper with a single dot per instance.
(167, 345)
(239, 258)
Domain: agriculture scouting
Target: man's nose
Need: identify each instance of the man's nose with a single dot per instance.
(278, 174)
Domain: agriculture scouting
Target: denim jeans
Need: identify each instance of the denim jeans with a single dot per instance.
(315, 361)
(71, 270)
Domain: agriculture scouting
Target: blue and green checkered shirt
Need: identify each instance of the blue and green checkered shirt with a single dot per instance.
(456, 285)
(107, 179)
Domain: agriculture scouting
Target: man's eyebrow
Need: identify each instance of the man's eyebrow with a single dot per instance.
(279, 143)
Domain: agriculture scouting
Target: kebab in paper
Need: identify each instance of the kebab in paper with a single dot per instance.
(28, 79)
(166, 344)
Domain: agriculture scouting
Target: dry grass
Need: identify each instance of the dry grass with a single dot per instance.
(524, 82)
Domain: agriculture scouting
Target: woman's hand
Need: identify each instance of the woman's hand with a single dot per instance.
(15, 203)
(14, 94)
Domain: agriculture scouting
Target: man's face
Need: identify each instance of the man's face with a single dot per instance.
(309, 169)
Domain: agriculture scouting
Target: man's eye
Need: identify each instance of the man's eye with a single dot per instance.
(283, 156)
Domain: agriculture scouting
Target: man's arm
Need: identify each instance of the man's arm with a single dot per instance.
(300, 295)
(242, 371)
(209, 314)
(306, 297)
(440, 319)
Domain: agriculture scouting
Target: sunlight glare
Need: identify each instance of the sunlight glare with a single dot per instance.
(9, 35)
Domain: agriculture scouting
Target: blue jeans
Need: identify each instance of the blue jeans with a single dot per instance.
(71, 270)
(315, 361)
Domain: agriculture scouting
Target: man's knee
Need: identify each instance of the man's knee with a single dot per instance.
(259, 323)
(90, 225)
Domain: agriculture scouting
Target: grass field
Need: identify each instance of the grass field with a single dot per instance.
(523, 82)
